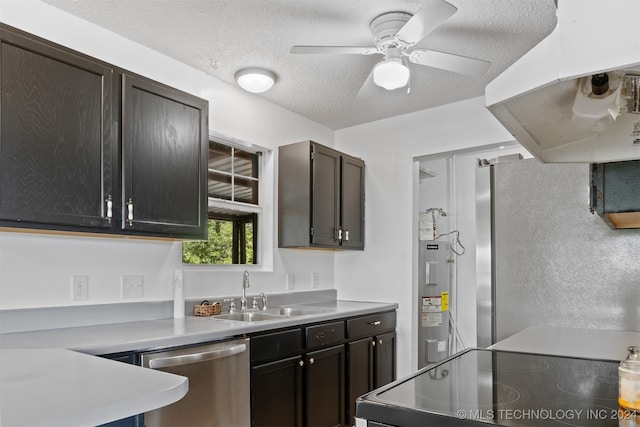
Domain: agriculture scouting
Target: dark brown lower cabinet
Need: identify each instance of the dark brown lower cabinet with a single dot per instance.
(371, 364)
(360, 381)
(311, 376)
(325, 385)
(276, 393)
(385, 359)
(279, 398)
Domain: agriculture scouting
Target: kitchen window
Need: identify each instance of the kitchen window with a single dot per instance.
(234, 208)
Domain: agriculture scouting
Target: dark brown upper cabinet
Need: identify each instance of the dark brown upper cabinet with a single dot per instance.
(352, 202)
(86, 146)
(165, 150)
(320, 197)
(56, 141)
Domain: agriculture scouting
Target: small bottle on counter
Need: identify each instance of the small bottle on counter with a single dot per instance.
(178, 295)
(629, 377)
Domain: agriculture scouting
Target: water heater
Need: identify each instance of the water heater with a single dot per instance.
(434, 264)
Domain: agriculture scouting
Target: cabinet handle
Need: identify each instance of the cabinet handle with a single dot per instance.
(380, 342)
(373, 343)
(130, 212)
(301, 363)
(376, 323)
(346, 235)
(109, 201)
(311, 361)
(340, 234)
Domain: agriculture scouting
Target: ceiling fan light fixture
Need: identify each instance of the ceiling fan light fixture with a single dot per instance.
(391, 74)
(255, 80)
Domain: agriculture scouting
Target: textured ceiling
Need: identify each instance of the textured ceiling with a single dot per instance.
(221, 36)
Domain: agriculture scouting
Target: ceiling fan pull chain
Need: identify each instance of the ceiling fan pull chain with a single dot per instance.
(406, 64)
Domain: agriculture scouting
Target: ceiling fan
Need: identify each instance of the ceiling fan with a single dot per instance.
(394, 34)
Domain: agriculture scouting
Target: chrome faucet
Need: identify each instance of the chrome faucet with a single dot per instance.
(245, 285)
(262, 297)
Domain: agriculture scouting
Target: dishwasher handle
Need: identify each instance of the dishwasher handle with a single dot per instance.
(185, 359)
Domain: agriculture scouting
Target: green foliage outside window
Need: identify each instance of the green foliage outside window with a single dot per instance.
(220, 247)
(233, 208)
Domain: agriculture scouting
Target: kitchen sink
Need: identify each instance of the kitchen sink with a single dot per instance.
(269, 314)
(292, 311)
(248, 316)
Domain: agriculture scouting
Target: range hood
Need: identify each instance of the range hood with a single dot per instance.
(615, 193)
(549, 99)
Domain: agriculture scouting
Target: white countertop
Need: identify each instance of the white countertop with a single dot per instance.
(57, 387)
(154, 334)
(42, 382)
(572, 342)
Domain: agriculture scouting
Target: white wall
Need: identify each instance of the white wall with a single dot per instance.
(36, 269)
(384, 271)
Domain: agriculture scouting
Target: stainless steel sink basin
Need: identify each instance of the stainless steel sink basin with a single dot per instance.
(248, 316)
(270, 314)
(292, 311)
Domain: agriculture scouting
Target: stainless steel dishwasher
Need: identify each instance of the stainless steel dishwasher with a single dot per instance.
(218, 385)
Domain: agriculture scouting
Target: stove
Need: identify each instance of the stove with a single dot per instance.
(480, 387)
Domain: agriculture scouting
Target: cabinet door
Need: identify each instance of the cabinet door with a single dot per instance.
(325, 196)
(359, 371)
(352, 198)
(325, 387)
(164, 148)
(276, 393)
(385, 359)
(56, 141)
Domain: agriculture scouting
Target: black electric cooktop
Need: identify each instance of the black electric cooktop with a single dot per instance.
(480, 387)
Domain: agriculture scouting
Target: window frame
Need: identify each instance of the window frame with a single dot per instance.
(262, 211)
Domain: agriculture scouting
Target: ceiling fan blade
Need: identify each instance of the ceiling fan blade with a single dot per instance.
(426, 19)
(450, 62)
(343, 50)
(368, 88)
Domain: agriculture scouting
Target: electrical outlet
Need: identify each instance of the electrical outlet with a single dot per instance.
(79, 288)
(131, 286)
(291, 281)
(315, 280)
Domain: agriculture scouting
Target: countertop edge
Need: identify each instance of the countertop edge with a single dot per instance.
(49, 376)
(571, 342)
(104, 339)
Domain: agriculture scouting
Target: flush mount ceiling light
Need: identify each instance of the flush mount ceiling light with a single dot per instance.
(391, 73)
(255, 80)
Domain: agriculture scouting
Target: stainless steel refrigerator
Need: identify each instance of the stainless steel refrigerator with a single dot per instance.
(544, 258)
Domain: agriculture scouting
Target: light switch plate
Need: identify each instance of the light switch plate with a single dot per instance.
(315, 280)
(291, 280)
(132, 286)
